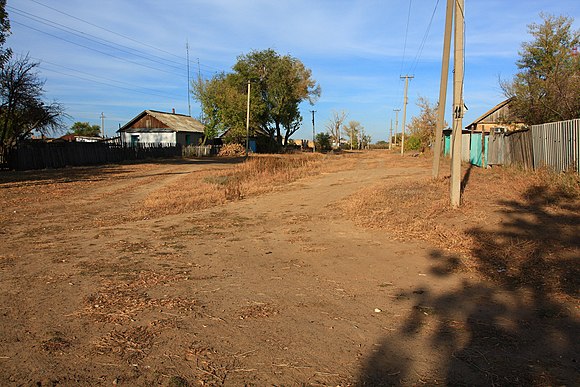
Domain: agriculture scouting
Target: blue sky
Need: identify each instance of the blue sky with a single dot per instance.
(122, 57)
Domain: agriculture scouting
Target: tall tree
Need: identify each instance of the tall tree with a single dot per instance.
(279, 83)
(546, 87)
(21, 107)
(85, 129)
(334, 126)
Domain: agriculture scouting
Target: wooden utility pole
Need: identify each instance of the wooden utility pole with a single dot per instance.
(396, 123)
(443, 88)
(248, 122)
(391, 136)
(407, 77)
(457, 104)
(313, 133)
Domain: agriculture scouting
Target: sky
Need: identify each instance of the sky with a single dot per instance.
(119, 57)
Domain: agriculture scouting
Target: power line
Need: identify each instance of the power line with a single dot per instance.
(406, 35)
(115, 33)
(96, 39)
(108, 85)
(422, 45)
(96, 50)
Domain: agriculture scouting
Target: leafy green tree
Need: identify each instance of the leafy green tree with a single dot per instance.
(546, 88)
(278, 85)
(85, 129)
(224, 107)
(323, 141)
(22, 110)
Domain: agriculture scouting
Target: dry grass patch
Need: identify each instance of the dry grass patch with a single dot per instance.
(515, 227)
(257, 175)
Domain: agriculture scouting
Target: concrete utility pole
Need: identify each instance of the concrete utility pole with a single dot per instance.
(396, 123)
(443, 88)
(391, 136)
(457, 104)
(407, 77)
(313, 133)
(248, 122)
(102, 124)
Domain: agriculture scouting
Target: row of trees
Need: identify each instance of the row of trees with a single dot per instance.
(351, 134)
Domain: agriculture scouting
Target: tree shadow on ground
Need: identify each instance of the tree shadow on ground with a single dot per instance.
(519, 326)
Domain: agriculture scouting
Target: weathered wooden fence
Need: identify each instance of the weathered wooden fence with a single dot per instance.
(556, 145)
(200, 151)
(511, 148)
(41, 155)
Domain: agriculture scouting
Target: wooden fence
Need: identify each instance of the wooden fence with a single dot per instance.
(201, 151)
(511, 148)
(41, 155)
(556, 145)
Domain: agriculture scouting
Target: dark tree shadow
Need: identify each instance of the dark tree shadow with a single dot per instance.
(519, 327)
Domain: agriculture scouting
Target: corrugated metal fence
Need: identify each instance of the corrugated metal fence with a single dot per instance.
(556, 145)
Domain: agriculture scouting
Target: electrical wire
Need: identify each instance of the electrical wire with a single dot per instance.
(96, 50)
(116, 33)
(95, 39)
(425, 36)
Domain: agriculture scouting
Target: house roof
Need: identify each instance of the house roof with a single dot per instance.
(490, 112)
(174, 122)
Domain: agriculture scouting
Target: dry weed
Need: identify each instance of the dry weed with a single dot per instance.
(131, 344)
(515, 227)
(117, 302)
(257, 175)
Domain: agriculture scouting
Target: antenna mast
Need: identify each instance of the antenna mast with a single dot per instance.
(188, 80)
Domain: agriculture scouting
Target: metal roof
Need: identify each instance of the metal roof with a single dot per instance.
(174, 122)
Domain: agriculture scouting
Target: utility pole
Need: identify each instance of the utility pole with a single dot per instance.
(457, 104)
(396, 123)
(188, 79)
(313, 133)
(248, 122)
(443, 88)
(102, 124)
(406, 77)
(391, 136)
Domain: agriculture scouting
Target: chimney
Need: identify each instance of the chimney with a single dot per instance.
(173, 110)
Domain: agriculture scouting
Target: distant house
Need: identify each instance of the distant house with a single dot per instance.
(154, 127)
(497, 119)
(75, 138)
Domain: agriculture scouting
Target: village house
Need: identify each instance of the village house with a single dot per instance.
(497, 119)
(154, 127)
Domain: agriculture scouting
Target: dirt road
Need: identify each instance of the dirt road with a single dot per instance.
(278, 289)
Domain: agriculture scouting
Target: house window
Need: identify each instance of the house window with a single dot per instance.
(148, 123)
(187, 139)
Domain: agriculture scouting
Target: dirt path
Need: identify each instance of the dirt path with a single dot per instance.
(271, 290)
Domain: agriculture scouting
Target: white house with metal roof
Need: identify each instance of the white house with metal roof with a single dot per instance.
(154, 127)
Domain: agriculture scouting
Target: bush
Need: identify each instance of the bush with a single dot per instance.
(323, 142)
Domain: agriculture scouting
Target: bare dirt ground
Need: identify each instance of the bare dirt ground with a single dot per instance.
(277, 289)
